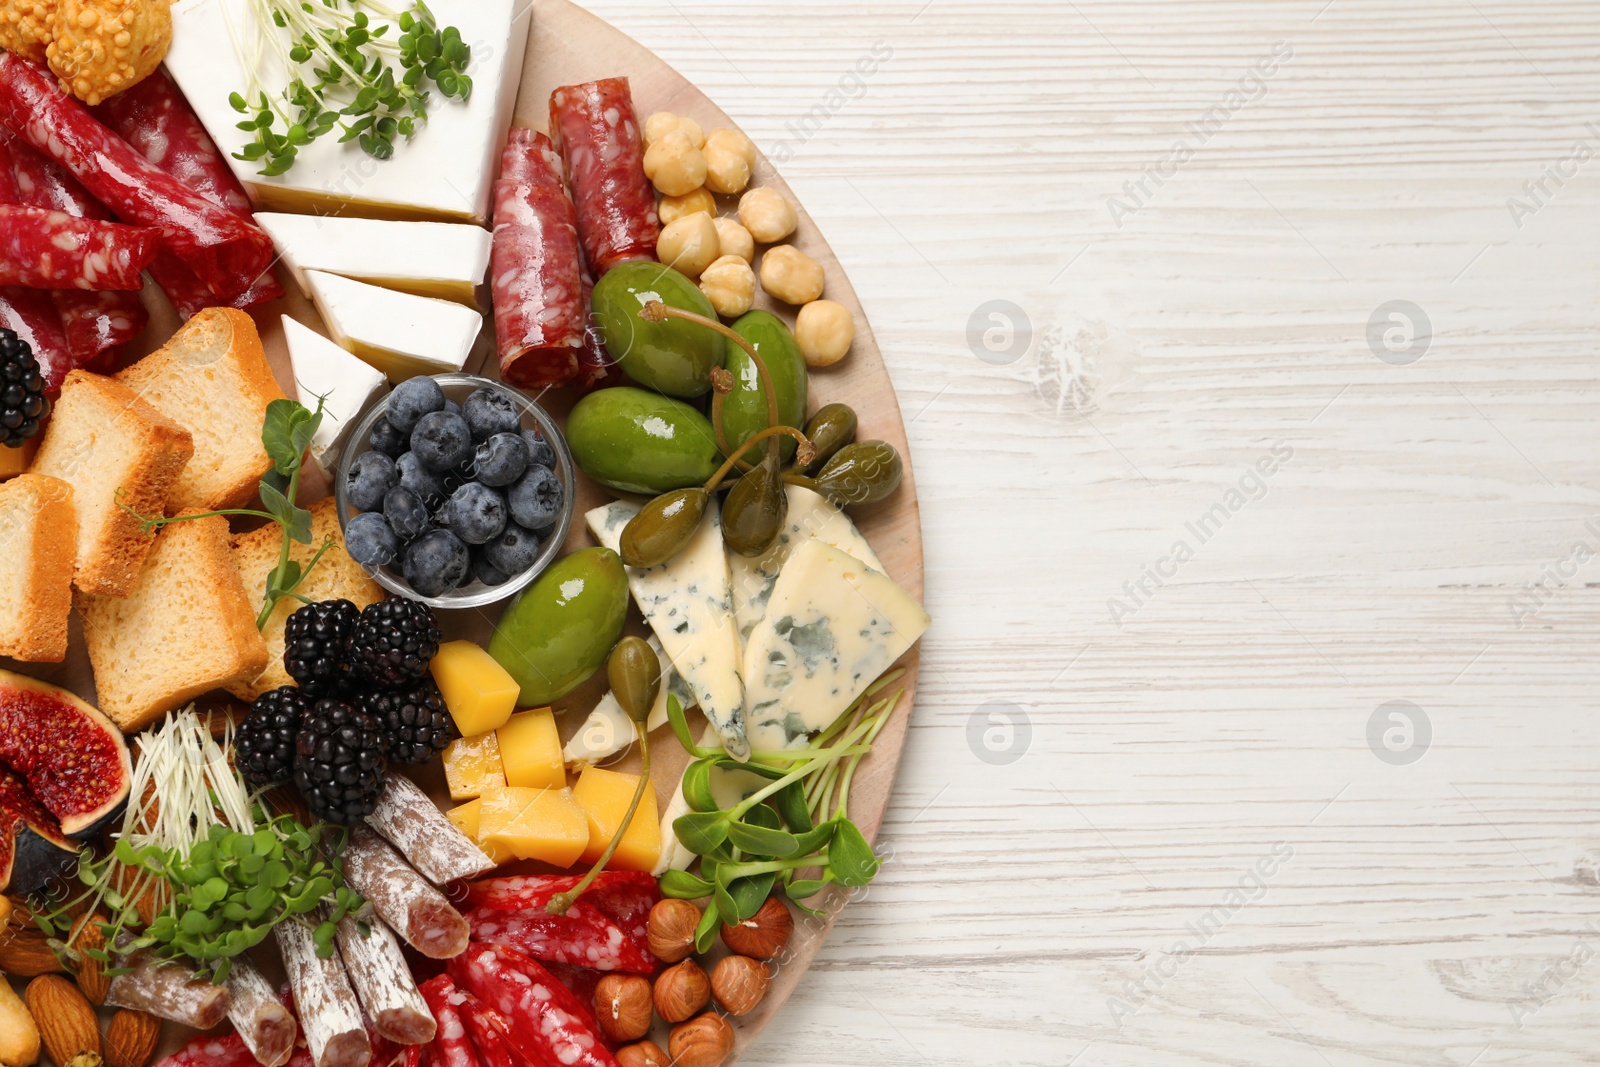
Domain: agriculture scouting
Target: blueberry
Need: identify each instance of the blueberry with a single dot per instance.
(540, 454)
(489, 412)
(486, 572)
(407, 514)
(428, 486)
(436, 562)
(369, 477)
(513, 551)
(475, 513)
(536, 499)
(388, 440)
(413, 399)
(451, 406)
(442, 441)
(370, 542)
(501, 459)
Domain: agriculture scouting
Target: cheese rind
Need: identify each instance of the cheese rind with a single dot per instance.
(403, 336)
(832, 627)
(346, 384)
(687, 603)
(444, 260)
(608, 730)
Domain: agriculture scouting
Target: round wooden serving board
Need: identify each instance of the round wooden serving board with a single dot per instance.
(567, 45)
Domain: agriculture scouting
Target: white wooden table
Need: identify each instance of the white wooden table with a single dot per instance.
(1184, 823)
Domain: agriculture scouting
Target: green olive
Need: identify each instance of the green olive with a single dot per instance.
(744, 411)
(558, 632)
(672, 357)
(663, 527)
(830, 429)
(636, 441)
(861, 473)
(754, 509)
(634, 671)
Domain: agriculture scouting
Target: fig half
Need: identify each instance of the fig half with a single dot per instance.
(72, 759)
(33, 850)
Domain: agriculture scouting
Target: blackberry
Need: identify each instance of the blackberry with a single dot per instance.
(263, 749)
(413, 721)
(22, 399)
(316, 645)
(338, 762)
(394, 642)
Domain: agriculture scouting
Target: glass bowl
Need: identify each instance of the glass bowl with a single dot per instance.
(475, 594)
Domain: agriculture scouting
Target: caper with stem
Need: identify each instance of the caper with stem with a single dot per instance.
(864, 472)
(830, 429)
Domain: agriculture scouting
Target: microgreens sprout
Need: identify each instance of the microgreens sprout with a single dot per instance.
(344, 71)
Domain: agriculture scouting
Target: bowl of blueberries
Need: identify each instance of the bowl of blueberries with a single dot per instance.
(455, 490)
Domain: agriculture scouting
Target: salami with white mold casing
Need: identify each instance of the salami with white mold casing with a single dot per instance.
(168, 990)
(329, 1011)
(433, 844)
(265, 1025)
(597, 132)
(383, 982)
(402, 898)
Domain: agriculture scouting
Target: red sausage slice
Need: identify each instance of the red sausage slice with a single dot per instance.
(595, 129)
(546, 1022)
(43, 249)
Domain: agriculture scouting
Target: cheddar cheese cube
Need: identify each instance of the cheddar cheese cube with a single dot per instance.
(467, 817)
(472, 766)
(530, 750)
(533, 824)
(479, 693)
(604, 797)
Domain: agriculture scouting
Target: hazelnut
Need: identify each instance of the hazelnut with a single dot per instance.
(643, 1054)
(824, 332)
(622, 1006)
(689, 245)
(730, 285)
(681, 991)
(726, 169)
(673, 208)
(740, 983)
(764, 934)
(705, 1042)
(736, 240)
(790, 275)
(662, 123)
(671, 930)
(733, 141)
(675, 165)
(767, 215)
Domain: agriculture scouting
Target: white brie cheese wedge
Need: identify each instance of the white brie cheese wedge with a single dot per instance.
(345, 384)
(400, 334)
(446, 170)
(811, 517)
(687, 603)
(832, 627)
(445, 260)
(608, 730)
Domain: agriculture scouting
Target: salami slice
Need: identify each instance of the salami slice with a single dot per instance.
(530, 156)
(414, 824)
(596, 367)
(546, 1022)
(190, 295)
(205, 1050)
(403, 898)
(168, 990)
(488, 1033)
(42, 249)
(582, 937)
(452, 1047)
(378, 970)
(30, 314)
(595, 129)
(267, 1027)
(226, 251)
(625, 897)
(329, 1013)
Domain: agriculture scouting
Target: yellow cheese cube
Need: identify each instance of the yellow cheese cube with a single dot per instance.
(479, 693)
(604, 796)
(533, 824)
(14, 461)
(466, 817)
(530, 750)
(472, 766)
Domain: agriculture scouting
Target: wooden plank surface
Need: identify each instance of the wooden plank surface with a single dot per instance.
(1073, 905)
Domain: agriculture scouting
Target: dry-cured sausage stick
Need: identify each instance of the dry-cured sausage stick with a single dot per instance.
(451, 1047)
(595, 129)
(329, 1012)
(403, 898)
(383, 982)
(433, 844)
(42, 249)
(266, 1026)
(169, 990)
(545, 1021)
(224, 250)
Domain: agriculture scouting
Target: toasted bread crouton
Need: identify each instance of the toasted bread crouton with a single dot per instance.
(38, 536)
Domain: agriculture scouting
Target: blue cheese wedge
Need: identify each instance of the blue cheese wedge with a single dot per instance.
(345, 384)
(687, 603)
(608, 730)
(811, 517)
(400, 334)
(443, 260)
(832, 627)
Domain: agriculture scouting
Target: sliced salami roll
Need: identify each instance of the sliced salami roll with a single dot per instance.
(403, 898)
(168, 990)
(596, 367)
(329, 1012)
(224, 250)
(433, 844)
(206, 1050)
(535, 271)
(383, 982)
(190, 295)
(32, 316)
(42, 249)
(595, 129)
(530, 156)
(488, 1031)
(582, 937)
(267, 1027)
(452, 1047)
(545, 1021)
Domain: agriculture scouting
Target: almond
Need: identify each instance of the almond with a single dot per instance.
(65, 1018)
(91, 972)
(131, 1039)
(25, 952)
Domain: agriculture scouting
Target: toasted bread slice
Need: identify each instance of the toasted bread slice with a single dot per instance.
(213, 379)
(38, 529)
(105, 441)
(188, 628)
(335, 577)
